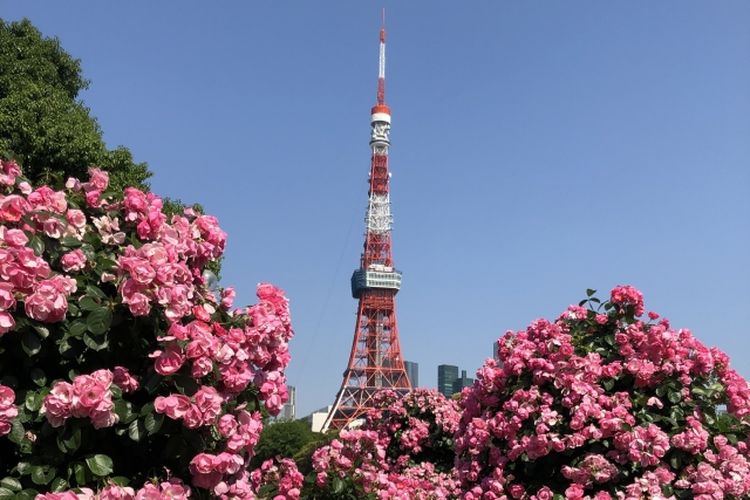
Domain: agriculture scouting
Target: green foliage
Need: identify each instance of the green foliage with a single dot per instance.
(47, 129)
(283, 439)
(303, 457)
(43, 124)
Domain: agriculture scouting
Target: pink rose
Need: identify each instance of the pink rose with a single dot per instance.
(73, 261)
(228, 463)
(115, 492)
(193, 418)
(99, 179)
(140, 270)
(138, 303)
(103, 414)
(227, 297)
(12, 208)
(7, 299)
(169, 361)
(76, 218)
(202, 463)
(209, 401)
(7, 323)
(8, 172)
(175, 406)
(47, 304)
(124, 380)
(88, 392)
(8, 410)
(201, 367)
(574, 492)
(227, 425)
(58, 403)
(15, 238)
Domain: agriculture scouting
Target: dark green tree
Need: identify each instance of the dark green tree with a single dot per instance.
(44, 125)
(283, 439)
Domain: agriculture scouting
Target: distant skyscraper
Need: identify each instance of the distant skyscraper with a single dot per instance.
(412, 371)
(462, 381)
(289, 410)
(447, 375)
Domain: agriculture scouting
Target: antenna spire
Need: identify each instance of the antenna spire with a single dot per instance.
(381, 64)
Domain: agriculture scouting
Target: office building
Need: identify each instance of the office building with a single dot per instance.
(412, 372)
(461, 382)
(289, 410)
(447, 376)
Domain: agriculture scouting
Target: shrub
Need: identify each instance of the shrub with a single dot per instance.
(284, 439)
(603, 403)
(403, 450)
(122, 371)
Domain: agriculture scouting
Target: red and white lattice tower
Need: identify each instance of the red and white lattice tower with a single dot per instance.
(375, 362)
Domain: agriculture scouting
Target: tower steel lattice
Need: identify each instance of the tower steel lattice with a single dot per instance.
(375, 362)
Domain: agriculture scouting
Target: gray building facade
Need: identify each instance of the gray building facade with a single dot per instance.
(412, 371)
(447, 376)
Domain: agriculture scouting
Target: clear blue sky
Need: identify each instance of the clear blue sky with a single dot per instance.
(539, 148)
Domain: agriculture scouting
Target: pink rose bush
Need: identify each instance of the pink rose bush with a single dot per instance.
(403, 450)
(604, 404)
(124, 374)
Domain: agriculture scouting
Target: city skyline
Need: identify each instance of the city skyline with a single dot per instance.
(540, 151)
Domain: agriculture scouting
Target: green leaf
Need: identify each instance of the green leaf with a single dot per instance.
(120, 480)
(87, 303)
(43, 331)
(152, 422)
(99, 320)
(95, 291)
(675, 396)
(124, 411)
(146, 409)
(23, 468)
(36, 243)
(105, 264)
(30, 343)
(94, 343)
(116, 391)
(70, 441)
(11, 483)
(38, 377)
(77, 328)
(17, 434)
(79, 471)
(590, 292)
(100, 465)
(34, 400)
(59, 484)
(70, 242)
(338, 485)
(42, 474)
(6, 493)
(136, 430)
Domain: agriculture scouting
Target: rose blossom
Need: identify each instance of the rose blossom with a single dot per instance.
(74, 260)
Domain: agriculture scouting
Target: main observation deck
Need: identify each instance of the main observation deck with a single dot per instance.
(375, 276)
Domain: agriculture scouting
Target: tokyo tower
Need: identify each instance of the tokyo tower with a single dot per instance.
(375, 362)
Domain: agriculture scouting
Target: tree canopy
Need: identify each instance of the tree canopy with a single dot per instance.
(44, 125)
